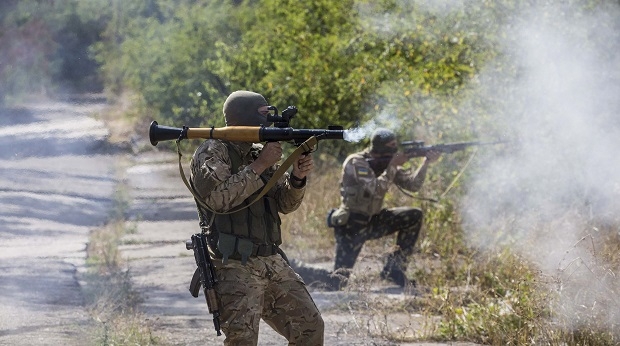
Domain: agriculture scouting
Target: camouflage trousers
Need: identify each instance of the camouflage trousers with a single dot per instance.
(267, 288)
(351, 238)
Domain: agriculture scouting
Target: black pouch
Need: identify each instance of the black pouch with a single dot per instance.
(245, 248)
(226, 244)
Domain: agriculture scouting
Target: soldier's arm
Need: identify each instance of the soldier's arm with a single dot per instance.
(412, 181)
(213, 180)
(289, 194)
(386, 178)
(292, 188)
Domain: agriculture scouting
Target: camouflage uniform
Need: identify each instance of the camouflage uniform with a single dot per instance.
(363, 193)
(262, 285)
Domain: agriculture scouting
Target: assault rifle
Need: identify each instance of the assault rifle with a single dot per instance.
(204, 276)
(417, 148)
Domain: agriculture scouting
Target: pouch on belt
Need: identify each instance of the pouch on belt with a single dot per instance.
(338, 217)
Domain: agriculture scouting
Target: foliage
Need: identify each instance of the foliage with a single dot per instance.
(322, 56)
(168, 59)
(44, 48)
(338, 70)
(26, 49)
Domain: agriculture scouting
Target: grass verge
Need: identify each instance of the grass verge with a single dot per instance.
(111, 298)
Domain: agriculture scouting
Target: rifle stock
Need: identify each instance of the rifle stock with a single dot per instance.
(253, 134)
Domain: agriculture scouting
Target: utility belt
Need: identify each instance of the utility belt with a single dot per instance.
(258, 250)
(359, 218)
(232, 247)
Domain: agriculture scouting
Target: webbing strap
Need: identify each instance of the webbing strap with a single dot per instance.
(305, 147)
(459, 174)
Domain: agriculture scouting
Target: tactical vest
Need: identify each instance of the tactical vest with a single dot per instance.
(360, 198)
(256, 226)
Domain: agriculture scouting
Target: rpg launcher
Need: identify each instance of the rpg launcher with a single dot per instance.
(281, 131)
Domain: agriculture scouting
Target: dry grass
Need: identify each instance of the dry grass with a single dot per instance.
(305, 232)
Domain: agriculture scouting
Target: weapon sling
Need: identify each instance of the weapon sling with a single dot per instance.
(305, 147)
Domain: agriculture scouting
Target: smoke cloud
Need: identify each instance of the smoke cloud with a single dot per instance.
(548, 196)
(384, 119)
(553, 194)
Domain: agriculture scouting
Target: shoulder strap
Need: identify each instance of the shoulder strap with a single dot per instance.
(305, 147)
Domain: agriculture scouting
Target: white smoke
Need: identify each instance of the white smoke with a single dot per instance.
(385, 119)
(555, 92)
(561, 178)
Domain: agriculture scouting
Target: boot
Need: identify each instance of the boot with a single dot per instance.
(318, 277)
(398, 277)
(395, 269)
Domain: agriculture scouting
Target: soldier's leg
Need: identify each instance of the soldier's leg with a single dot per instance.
(289, 308)
(240, 291)
(407, 222)
(315, 276)
(349, 242)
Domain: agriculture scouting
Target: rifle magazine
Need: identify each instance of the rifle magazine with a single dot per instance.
(194, 286)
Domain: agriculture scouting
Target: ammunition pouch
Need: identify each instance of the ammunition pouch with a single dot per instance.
(241, 249)
(338, 217)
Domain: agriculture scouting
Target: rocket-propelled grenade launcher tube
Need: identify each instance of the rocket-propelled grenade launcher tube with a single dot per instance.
(253, 134)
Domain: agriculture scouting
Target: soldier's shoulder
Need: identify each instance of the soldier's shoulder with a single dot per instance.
(212, 146)
(356, 158)
(209, 149)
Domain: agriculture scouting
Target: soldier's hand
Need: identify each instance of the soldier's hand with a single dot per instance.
(432, 156)
(303, 166)
(269, 156)
(398, 159)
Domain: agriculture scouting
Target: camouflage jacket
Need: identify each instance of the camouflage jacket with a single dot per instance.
(363, 192)
(221, 190)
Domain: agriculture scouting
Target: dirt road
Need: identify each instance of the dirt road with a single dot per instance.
(56, 180)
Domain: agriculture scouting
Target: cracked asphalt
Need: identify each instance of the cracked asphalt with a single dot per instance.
(55, 186)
